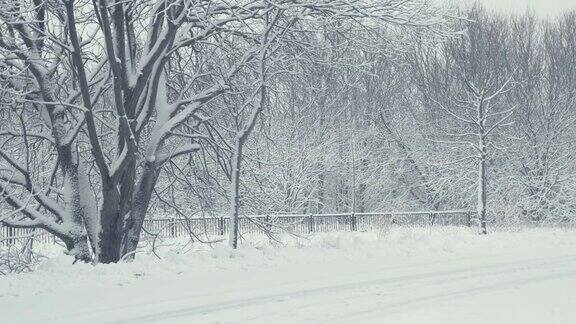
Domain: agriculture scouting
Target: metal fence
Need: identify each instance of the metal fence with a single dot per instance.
(299, 224)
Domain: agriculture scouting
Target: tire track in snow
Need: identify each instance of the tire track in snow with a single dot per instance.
(392, 308)
(398, 281)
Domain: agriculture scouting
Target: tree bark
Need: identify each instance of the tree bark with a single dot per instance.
(140, 204)
(482, 194)
(235, 194)
(482, 165)
(111, 227)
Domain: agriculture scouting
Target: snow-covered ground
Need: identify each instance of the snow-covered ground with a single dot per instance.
(448, 275)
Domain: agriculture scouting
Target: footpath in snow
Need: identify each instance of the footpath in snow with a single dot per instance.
(440, 275)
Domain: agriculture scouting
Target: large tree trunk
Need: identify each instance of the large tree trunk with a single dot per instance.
(117, 202)
(140, 204)
(122, 215)
(109, 250)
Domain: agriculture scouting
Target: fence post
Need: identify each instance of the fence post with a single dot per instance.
(221, 225)
(468, 219)
(353, 222)
(268, 224)
(172, 227)
(10, 235)
(311, 223)
(432, 218)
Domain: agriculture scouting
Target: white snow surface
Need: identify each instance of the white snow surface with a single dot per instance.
(438, 275)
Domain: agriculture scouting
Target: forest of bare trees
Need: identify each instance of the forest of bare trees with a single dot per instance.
(115, 111)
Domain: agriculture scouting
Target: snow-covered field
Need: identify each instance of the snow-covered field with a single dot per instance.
(447, 275)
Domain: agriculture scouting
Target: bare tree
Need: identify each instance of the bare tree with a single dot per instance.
(467, 82)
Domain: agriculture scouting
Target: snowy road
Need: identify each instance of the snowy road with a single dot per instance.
(388, 296)
(508, 287)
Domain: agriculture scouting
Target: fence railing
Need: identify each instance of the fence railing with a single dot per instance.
(294, 223)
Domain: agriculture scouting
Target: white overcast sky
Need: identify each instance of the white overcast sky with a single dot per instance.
(542, 7)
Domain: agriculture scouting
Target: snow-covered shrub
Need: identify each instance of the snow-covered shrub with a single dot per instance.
(18, 258)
